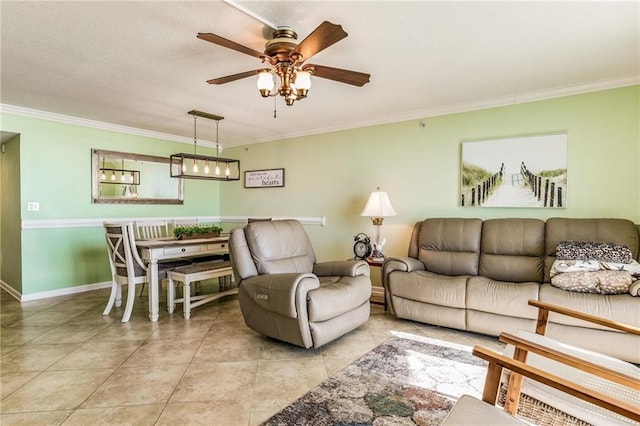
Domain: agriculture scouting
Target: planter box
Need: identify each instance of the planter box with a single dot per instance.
(198, 236)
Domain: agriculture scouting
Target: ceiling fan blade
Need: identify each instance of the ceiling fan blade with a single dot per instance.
(221, 41)
(322, 37)
(354, 78)
(234, 77)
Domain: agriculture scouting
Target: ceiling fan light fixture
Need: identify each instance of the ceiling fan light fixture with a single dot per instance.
(302, 83)
(286, 59)
(265, 83)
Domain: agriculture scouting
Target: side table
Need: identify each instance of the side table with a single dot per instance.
(377, 291)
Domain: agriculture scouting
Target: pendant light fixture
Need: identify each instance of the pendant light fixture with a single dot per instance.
(188, 166)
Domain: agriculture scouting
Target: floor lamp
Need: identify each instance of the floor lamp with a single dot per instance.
(377, 208)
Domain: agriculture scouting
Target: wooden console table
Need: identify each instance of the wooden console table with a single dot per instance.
(378, 295)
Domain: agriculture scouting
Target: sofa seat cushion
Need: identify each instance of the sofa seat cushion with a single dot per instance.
(503, 298)
(428, 287)
(336, 296)
(618, 307)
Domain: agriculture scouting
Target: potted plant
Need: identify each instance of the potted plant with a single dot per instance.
(196, 231)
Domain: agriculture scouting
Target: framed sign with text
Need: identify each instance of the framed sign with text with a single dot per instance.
(271, 178)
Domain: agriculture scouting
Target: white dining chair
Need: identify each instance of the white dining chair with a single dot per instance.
(184, 222)
(126, 266)
(152, 229)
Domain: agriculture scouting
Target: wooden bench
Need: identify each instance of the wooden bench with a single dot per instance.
(197, 272)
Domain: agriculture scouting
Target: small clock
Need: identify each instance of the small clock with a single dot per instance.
(362, 247)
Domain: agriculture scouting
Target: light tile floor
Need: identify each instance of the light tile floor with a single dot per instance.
(62, 362)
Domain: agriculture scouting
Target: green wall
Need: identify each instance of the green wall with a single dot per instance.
(417, 162)
(56, 171)
(332, 174)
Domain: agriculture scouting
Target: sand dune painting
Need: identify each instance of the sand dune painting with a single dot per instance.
(529, 171)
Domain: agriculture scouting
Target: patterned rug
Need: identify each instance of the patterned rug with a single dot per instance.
(407, 380)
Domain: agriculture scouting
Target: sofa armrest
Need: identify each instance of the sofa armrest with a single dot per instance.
(342, 268)
(404, 264)
(285, 294)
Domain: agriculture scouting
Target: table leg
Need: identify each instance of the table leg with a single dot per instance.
(171, 295)
(186, 299)
(154, 288)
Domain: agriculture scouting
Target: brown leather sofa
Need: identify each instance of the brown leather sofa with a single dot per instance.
(478, 276)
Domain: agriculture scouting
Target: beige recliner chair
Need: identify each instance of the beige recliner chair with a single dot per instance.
(286, 295)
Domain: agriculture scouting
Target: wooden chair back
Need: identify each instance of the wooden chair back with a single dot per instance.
(152, 229)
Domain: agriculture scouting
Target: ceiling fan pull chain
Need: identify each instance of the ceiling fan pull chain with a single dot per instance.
(275, 106)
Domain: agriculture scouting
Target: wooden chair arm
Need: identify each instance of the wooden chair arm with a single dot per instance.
(543, 316)
(572, 361)
(497, 362)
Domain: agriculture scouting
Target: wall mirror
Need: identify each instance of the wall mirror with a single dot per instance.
(126, 178)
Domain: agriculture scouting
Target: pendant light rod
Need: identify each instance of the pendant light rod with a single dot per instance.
(195, 137)
(217, 141)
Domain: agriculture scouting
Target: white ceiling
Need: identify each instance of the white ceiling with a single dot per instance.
(139, 63)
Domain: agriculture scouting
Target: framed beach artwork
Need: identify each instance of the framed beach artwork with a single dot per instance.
(529, 171)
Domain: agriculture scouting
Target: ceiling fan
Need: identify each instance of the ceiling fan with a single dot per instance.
(285, 58)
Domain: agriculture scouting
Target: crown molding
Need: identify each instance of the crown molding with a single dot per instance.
(518, 98)
(94, 124)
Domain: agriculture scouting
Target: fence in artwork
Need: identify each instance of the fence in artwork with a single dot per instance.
(551, 192)
(479, 193)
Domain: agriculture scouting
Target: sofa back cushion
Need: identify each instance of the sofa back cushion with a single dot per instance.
(279, 246)
(621, 232)
(448, 246)
(512, 250)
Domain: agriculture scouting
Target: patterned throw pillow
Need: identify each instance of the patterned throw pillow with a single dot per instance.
(599, 282)
(589, 250)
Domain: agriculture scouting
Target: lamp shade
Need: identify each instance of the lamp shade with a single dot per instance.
(378, 205)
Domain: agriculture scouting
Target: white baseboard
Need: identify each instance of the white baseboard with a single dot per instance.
(52, 293)
(377, 294)
(13, 292)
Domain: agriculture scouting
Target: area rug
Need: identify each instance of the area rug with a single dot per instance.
(407, 380)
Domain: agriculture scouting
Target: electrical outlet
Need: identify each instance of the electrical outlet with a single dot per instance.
(33, 206)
